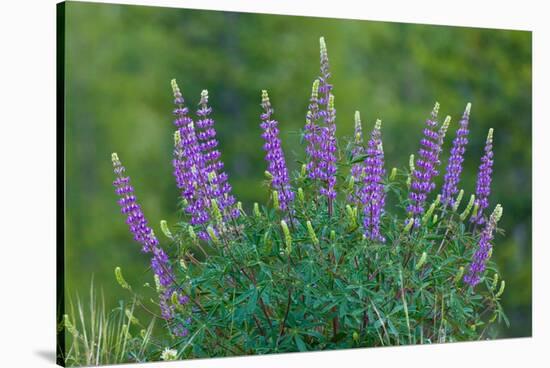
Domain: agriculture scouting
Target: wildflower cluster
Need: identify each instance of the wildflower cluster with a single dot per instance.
(324, 264)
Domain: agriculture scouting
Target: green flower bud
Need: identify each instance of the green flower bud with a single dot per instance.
(315, 89)
(175, 87)
(408, 225)
(120, 279)
(428, 213)
(497, 213)
(475, 210)
(411, 163)
(192, 234)
(183, 264)
(358, 128)
(351, 216)
(355, 336)
(458, 200)
(468, 208)
(421, 261)
(501, 290)
(332, 236)
(351, 183)
(393, 173)
(459, 275)
(265, 96)
(216, 213)
(213, 236)
(323, 47)
(287, 237)
(114, 158)
(411, 170)
(256, 210)
(490, 136)
(276, 203)
(301, 196)
(303, 171)
(330, 103)
(174, 298)
(268, 176)
(444, 127)
(177, 138)
(311, 233)
(435, 110)
(157, 283)
(165, 229)
(434, 221)
(495, 281)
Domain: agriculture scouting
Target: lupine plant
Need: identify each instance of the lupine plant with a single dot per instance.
(325, 263)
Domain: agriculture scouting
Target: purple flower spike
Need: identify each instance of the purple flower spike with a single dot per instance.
(327, 154)
(327, 165)
(482, 254)
(425, 170)
(372, 193)
(312, 133)
(320, 131)
(189, 163)
(325, 87)
(483, 186)
(358, 148)
(454, 167)
(218, 187)
(144, 235)
(274, 154)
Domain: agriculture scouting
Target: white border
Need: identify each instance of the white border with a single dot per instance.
(27, 206)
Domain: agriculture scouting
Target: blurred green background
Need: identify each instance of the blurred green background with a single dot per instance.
(119, 62)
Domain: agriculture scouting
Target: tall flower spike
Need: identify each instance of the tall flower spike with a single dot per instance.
(144, 235)
(312, 133)
(320, 131)
(454, 166)
(425, 169)
(189, 164)
(274, 154)
(327, 165)
(218, 187)
(372, 192)
(483, 185)
(357, 151)
(482, 254)
(358, 148)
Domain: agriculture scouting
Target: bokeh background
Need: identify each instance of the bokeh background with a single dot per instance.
(119, 62)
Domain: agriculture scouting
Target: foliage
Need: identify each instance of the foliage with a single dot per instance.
(255, 294)
(96, 335)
